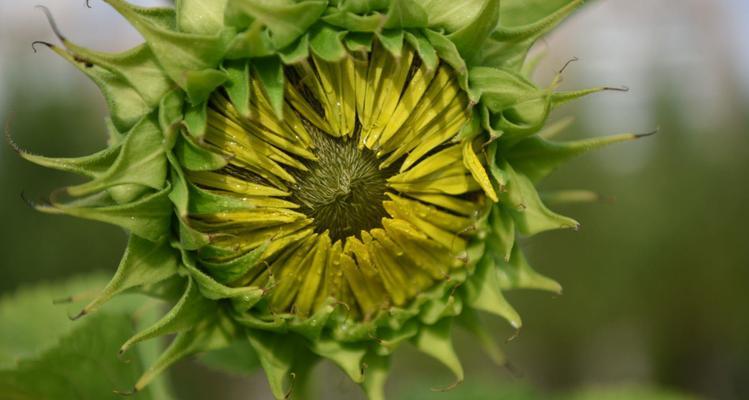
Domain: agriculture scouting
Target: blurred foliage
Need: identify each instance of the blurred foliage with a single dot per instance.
(48, 356)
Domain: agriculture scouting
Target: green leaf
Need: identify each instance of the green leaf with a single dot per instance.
(83, 365)
(37, 322)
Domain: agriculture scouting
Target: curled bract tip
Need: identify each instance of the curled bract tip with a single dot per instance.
(646, 134)
(51, 20)
(449, 387)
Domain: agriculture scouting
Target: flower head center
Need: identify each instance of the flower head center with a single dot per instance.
(343, 189)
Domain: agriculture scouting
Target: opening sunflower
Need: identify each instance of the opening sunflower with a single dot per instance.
(323, 179)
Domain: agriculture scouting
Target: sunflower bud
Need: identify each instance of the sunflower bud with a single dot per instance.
(324, 179)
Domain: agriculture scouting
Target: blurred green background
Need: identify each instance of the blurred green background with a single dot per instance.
(656, 283)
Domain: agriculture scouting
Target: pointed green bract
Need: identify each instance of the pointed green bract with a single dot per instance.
(220, 118)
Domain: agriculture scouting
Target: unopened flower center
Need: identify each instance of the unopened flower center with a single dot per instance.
(344, 189)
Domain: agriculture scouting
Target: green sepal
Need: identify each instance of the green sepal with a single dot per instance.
(470, 38)
(296, 52)
(537, 157)
(229, 271)
(557, 197)
(144, 263)
(194, 157)
(196, 119)
(208, 335)
(189, 237)
(499, 176)
(245, 297)
(451, 16)
(170, 116)
(523, 119)
(269, 72)
(502, 237)
(185, 57)
(285, 20)
(137, 66)
(180, 194)
(90, 166)
(508, 46)
(206, 202)
(483, 293)
(191, 308)
(392, 41)
(376, 369)
(277, 354)
(358, 42)
(471, 321)
(126, 105)
(524, 204)
(362, 6)
(200, 17)
(237, 85)
(499, 89)
(346, 355)
(448, 52)
(141, 161)
(327, 43)
(426, 51)
(443, 304)
(148, 217)
(200, 84)
(405, 14)
(351, 22)
(559, 98)
(252, 43)
(436, 341)
(518, 274)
